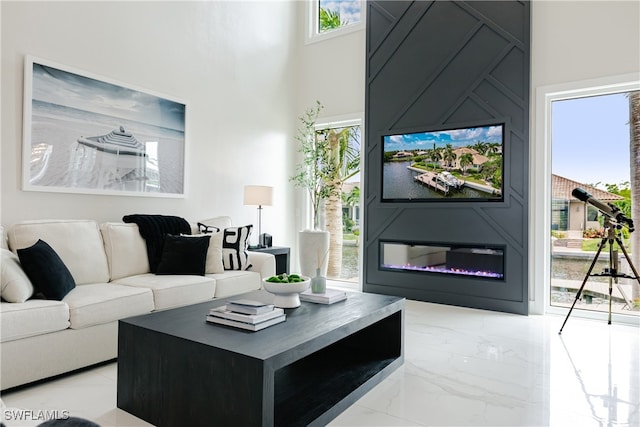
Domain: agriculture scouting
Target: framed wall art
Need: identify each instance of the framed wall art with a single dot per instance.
(88, 134)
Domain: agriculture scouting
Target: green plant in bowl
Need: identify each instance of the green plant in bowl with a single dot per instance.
(285, 278)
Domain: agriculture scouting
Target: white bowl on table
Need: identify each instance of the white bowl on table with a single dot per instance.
(287, 295)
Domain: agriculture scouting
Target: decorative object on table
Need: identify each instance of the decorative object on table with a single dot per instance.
(227, 315)
(286, 289)
(319, 281)
(310, 243)
(258, 195)
(248, 306)
(69, 126)
(329, 296)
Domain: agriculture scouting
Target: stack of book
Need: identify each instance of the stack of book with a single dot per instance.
(246, 314)
(329, 296)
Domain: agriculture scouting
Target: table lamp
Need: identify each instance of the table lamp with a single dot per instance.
(258, 195)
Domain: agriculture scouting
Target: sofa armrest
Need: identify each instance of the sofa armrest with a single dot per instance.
(263, 263)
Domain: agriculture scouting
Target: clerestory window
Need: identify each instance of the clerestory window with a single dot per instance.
(328, 18)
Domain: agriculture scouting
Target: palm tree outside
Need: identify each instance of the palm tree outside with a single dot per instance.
(435, 156)
(330, 20)
(465, 161)
(448, 155)
(344, 163)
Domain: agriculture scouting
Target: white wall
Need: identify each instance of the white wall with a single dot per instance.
(580, 40)
(332, 71)
(232, 62)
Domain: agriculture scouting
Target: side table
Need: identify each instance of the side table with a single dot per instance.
(282, 257)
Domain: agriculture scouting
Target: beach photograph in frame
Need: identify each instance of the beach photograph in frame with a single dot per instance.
(451, 164)
(88, 134)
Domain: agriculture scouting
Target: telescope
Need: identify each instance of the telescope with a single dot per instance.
(608, 209)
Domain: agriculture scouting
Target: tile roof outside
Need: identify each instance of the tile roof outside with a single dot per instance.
(562, 188)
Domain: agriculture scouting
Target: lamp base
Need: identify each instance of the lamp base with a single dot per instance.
(265, 240)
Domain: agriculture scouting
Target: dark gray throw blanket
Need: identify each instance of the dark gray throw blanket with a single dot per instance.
(153, 229)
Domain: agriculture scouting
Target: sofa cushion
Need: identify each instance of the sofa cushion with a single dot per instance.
(153, 229)
(77, 242)
(33, 317)
(184, 255)
(235, 241)
(98, 303)
(173, 291)
(46, 270)
(125, 248)
(236, 282)
(219, 222)
(214, 253)
(15, 286)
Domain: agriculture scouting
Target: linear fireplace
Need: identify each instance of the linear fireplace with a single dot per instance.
(486, 262)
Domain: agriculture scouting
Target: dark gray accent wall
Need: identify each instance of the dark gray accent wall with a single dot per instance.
(438, 65)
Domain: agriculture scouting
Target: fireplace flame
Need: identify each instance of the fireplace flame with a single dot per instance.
(445, 270)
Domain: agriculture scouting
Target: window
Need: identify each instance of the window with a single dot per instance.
(328, 18)
(346, 267)
(559, 214)
(591, 150)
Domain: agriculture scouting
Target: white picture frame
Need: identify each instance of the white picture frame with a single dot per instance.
(84, 133)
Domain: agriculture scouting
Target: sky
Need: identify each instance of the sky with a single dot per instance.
(590, 139)
(84, 93)
(455, 137)
(349, 9)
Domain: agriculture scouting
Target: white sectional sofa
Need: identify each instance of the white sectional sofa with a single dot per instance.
(41, 338)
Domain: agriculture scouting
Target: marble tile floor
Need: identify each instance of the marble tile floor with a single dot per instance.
(463, 367)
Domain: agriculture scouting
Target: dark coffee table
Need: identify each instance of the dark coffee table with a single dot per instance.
(174, 368)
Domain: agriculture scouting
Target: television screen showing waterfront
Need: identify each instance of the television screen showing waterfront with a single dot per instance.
(454, 164)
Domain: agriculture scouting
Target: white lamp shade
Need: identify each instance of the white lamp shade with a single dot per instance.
(258, 195)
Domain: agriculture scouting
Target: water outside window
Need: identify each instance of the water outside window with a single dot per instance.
(591, 150)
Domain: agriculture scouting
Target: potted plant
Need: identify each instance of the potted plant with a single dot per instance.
(309, 176)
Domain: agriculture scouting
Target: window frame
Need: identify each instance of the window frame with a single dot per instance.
(540, 188)
(313, 34)
(338, 122)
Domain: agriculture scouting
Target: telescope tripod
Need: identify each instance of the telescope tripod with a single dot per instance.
(612, 236)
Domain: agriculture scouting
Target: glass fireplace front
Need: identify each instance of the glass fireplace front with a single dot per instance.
(486, 262)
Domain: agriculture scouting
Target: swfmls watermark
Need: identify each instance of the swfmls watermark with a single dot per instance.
(34, 415)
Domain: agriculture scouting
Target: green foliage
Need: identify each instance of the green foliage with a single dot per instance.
(492, 172)
(352, 198)
(328, 159)
(347, 223)
(285, 278)
(591, 245)
(388, 155)
(314, 154)
(330, 20)
(559, 234)
(466, 160)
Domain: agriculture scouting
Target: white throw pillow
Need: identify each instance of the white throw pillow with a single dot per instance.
(214, 253)
(235, 242)
(15, 285)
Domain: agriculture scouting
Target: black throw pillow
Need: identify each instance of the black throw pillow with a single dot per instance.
(184, 255)
(45, 269)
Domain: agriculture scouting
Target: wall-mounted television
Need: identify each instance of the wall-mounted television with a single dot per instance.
(459, 164)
